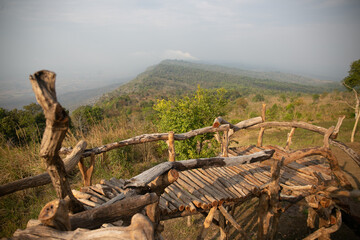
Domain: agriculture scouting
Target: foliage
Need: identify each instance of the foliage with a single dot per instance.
(189, 113)
(353, 79)
(258, 98)
(22, 126)
(86, 116)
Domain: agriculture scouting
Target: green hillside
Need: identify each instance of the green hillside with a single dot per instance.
(175, 78)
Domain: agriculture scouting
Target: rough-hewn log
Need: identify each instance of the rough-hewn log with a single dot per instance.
(233, 221)
(161, 182)
(337, 127)
(149, 138)
(57, 122)
(146, 177)
(225, 144)
(322, 151)
(355, 156)
(140, 228)
(121, 210)
(207, 222)
(269, 205)
(326, 231)
(241, 125)
(86, 172)
(263, 112)
(56, 214)
(42, 179)
(349, 151)
(260, 137)
(288, 141)
(171, 147)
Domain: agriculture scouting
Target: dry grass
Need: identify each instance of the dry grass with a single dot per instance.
(19, 162)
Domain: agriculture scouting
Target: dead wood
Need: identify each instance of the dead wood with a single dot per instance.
(121, 210)
(42, 179)
(147, 176)
(233, 221)
(57, 122)
(140, 228)
(161, 182)
(86, 172)
(269, 205)
(149, 138)
(171, 147)
(56, 214)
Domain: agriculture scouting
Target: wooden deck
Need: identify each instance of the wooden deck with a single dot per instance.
(200, 189)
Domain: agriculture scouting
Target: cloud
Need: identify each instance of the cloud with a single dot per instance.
(178, 54)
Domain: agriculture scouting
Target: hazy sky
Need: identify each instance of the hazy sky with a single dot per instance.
(102, 40)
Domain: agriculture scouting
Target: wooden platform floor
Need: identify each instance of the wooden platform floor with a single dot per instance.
(199, 189)
(209, 187)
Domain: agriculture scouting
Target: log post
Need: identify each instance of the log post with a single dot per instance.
(227, 215)
(327, 136)
(263, 112)
(269, 204)
(225, 144)
(86, 172)
(222, 227)
(207, 222)
(171, 147)
(260, 137)
(57, 122)
(288, 142)
(337, 127)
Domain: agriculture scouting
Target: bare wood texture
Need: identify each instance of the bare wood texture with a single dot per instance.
(121, 210)
(149, 138)
(263, 112)
(140, 228)
(57, 122)
(326, 231)
(288, 141)
(225, 144)
(42, 179)
(207, 222)
(322, 151)
(260, 137)
(232, 221)
(338, 125)
(171, 147)
(269, 205)
(86, 172)
(55, 214)
(146, 177)
(241, 125)
(327, 135)
(161, 182)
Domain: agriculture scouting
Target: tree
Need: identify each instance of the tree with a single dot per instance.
(86, 116)
(189, 113)
(352, 83)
